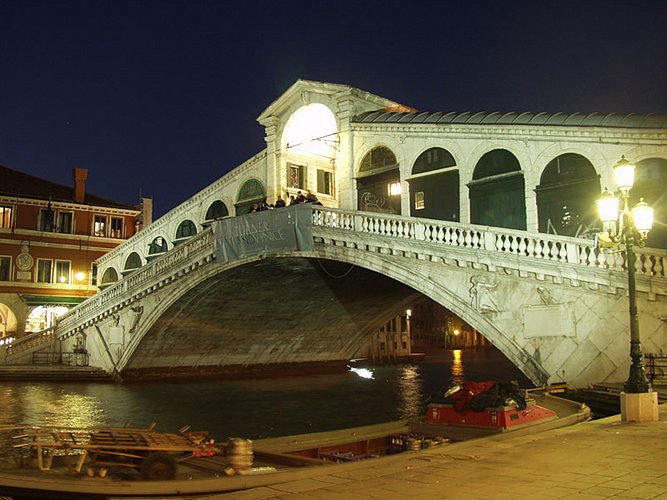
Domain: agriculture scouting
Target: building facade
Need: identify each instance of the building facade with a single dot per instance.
(50, 236)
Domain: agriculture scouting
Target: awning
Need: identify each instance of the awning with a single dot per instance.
(33, 300)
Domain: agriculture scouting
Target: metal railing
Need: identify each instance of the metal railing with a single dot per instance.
(60, 358)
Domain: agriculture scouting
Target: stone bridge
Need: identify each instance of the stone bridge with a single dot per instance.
(555, 306)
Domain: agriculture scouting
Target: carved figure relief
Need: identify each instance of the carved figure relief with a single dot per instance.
(545, 296)
(24, 261)
(482, 295)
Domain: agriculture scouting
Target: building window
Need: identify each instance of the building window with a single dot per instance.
(324, 182)
(419, 200)
(63, 271)
(296, 176)
(44, 271)
(116, 227)
(5, 217)
(5, 264)
(46, 220)
(65, 222)
(100, 225)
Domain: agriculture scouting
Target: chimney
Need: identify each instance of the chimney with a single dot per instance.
(80, 175)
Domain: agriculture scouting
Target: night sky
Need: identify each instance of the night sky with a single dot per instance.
(160, 97)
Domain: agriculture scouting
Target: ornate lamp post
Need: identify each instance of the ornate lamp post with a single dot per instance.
(625, 227)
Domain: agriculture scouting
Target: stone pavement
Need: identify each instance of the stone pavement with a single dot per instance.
(599, 459)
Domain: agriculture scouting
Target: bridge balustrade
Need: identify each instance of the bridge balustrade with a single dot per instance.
(562, 249)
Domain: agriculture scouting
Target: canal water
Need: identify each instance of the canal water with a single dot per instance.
(254, 408)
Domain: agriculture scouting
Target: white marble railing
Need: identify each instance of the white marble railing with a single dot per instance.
(545, 247)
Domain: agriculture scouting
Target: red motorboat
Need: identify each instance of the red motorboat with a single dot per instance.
(493, 405)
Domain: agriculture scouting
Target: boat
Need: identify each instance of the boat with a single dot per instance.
(129, 462)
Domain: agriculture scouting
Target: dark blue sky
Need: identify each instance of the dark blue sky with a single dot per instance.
(160, 97)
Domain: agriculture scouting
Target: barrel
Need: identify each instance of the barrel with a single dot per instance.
(239, 453)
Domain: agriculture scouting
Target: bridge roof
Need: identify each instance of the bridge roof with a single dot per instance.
(632, 120)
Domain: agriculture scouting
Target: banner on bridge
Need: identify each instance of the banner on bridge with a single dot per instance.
(264, 233)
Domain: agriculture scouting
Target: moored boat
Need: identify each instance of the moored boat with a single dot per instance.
(244, 465)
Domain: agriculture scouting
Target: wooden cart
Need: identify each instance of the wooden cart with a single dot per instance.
(154, 455)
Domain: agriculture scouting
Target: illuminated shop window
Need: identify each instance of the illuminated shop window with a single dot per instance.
(5, 216)
(394, 189)
(419, 200)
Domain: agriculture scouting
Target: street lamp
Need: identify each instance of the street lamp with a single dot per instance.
(625, 227)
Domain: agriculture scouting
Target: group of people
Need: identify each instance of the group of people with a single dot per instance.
(280, 202)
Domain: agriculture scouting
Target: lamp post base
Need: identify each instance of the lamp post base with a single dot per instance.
(639, 407)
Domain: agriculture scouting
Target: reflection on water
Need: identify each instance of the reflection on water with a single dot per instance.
(252, 408)
(457, 368)
(410, 392)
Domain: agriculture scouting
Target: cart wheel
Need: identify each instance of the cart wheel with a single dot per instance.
(159, 466)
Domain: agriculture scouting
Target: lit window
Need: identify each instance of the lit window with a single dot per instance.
(65, 222)
(296, 176)
(5, 263)
(63, 271)
(394, 189)
(419, 200)
(324, 182)
(44, 270)
(116, 227)
(100, 225)
(5, 216)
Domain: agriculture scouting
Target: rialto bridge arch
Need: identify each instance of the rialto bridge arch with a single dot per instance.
(553, 305)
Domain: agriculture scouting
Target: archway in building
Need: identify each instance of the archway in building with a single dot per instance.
(217, 210)
(44, 316)
(132, 263)
(310, 143)
(379, 182)
(434, 187)
(109, 277)
(251, 193)
(157, 247)
(185, 230)
(8, 322)
(566, 195)
(650, 182)
(497, 191)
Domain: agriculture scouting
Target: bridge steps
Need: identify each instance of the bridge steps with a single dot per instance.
(54, 373)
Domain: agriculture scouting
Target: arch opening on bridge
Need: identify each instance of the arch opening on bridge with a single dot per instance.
(650, 182)
(566, 195)
(434, 186)
(379, 182)
(310, 146)
(497, 191)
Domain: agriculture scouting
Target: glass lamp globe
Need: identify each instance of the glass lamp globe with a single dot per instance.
(642, 214)
(608, 207)
(624, 174)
